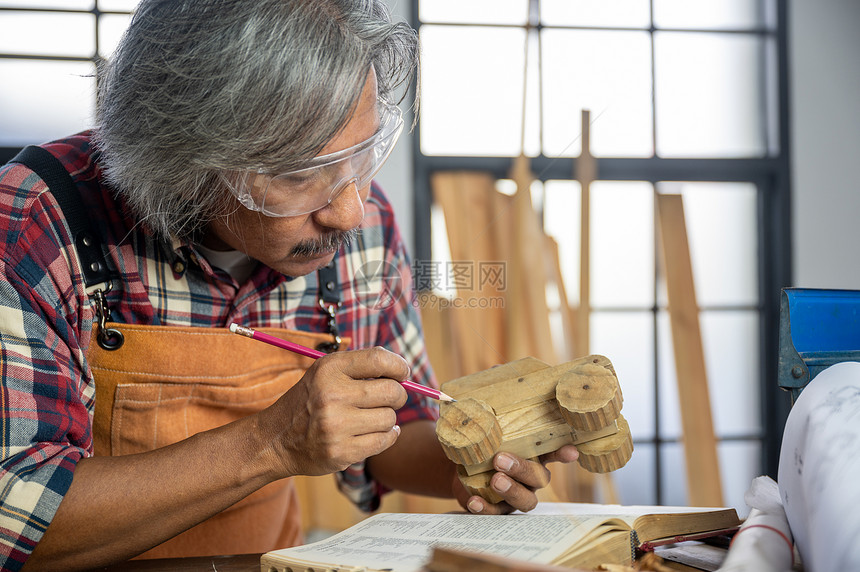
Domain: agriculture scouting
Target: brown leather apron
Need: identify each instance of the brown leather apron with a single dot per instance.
(165, 384)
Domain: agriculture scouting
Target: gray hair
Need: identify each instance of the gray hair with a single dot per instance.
(197, 88)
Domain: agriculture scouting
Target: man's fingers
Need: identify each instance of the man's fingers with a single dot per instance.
(478, 505)
(566, 454)
(370, 363)
(529, 473)
(514, 493)
(371, 444)
(366, 378)
(354, 422)
(371, 393)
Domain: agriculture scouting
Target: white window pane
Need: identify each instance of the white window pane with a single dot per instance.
(627, 338)
(111, 28)
(710, 14)
(606, 72)
(471, 90)
(622, 244)
(561, 221)
(532, 139)
(49, 100)
(614, 13)
(118, 5)
(474, 11)
(48, 33)
(732, 382)
(62, 4)
(635, 480)
(740, 463)
(673, 487)
(440, 251)
(721, 220)
(709, 95)
(735, 401)
(670, 418)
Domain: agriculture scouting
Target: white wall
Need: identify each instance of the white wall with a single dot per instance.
(824, 56)
(396, 177)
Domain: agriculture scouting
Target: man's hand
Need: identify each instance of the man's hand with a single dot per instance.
(341, 412)
(516, 480)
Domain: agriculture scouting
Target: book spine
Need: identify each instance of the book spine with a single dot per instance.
(634, 544)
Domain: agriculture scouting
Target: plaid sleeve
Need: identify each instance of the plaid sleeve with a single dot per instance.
(399, 330)
(44, 404)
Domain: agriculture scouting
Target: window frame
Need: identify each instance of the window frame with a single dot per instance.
(8, 152)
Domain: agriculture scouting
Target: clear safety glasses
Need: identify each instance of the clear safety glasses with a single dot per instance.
(313, 187)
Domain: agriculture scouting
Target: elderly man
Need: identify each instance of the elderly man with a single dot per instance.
(227, 180)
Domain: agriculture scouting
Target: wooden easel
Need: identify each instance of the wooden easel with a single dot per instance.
(530, 332)
(586, 173)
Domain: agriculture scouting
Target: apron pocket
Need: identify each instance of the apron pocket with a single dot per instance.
(147, 416)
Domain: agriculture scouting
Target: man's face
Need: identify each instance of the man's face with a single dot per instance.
(299, 245)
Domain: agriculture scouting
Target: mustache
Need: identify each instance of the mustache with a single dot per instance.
(325, 244)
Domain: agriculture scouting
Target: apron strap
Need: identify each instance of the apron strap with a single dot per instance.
(88, 243)
(330, 302)
(60, 183)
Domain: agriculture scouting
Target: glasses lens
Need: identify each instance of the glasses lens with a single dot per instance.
(298, 192)
(306, 190)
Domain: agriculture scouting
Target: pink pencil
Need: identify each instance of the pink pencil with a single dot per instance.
(312, 353)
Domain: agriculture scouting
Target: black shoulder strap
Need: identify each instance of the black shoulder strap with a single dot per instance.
(329, 287)
(330, 302)
(61, 185)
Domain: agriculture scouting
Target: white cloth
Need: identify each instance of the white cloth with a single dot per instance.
(763, 544)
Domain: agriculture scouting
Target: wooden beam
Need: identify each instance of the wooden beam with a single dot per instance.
(528, 327)
(700, 444)
(470, 207)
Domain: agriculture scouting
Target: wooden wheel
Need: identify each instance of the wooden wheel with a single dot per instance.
(468, 431)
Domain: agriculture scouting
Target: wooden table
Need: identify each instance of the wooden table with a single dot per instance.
(251, 563)
(237, 563)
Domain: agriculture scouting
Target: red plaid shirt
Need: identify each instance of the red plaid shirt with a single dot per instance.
(46, 319)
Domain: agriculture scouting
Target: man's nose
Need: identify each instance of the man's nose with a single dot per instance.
(344, 212)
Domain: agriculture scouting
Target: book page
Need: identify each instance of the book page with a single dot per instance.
(819, 464)
(404, 542)
(627, 513)
(616, 510)
(684, 522)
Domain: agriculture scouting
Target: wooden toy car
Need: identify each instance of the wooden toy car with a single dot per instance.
(529, 408)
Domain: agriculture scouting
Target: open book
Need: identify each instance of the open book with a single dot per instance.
(575, 535)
